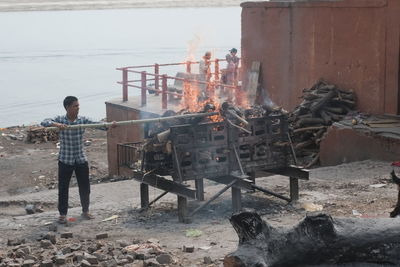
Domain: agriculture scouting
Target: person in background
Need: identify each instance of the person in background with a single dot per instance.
(205, 73)
(72, 157)
(232, 67)
(230, 73)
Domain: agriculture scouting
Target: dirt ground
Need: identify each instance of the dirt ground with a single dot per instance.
(27, 167)
(359, 189)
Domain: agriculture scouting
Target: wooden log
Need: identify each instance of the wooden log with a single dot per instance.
(309, 115)
(318, 84)
(304, 144)
(313, 161)
(309, 121)
(317, 239)
(317, 105)
(253, 82)
(299, 130)
(348, 103)
(326, 88)
(311, 96)
(319, 133)
(334, 117)
(304, 153)
(325, 117)
(337, 110)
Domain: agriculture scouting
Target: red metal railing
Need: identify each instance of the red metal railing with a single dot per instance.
(156, 77)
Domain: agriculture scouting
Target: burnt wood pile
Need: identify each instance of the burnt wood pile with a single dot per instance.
(318, 239)
(323, 104)
(39, 134)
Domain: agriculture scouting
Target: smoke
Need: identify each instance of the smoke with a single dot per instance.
(265, 100)
(193, 46)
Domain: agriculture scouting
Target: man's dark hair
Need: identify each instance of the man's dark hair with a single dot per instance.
(69, 100)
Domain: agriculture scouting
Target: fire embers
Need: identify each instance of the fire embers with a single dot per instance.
(322, 105)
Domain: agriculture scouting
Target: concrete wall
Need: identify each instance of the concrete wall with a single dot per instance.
(120, 134)
(351, 43)
(348, 145)
(118, 110)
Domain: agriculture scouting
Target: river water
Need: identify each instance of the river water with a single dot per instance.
(47, 55)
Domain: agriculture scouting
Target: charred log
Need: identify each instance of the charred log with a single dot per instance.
(317, 239)
(320, 103)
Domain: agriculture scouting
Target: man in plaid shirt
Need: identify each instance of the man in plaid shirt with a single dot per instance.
(71, 157)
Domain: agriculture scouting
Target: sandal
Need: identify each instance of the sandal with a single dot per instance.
(62, 219)
(87, 216)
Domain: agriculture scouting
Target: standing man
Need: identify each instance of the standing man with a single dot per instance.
(232, 66)
(71, 157)
(205, 74)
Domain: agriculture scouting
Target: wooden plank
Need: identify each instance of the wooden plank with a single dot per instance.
(252, 83)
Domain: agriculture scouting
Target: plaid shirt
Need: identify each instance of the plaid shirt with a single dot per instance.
(71, 141)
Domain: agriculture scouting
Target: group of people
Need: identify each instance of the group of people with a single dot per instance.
(229, 74)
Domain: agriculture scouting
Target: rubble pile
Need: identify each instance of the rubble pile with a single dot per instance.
(323, 104)
(13, 133)
(66, 250)
(38, 134)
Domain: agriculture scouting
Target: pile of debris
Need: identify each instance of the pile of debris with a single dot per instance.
(54, 250)
(322, 105)
(13, 133)
(38, 134)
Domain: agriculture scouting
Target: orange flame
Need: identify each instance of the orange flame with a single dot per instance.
(215, 92)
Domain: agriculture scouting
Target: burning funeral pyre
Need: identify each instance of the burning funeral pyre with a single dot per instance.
(235, 142)
(240, 140)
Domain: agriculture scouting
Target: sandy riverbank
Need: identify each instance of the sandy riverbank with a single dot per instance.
(47, 5)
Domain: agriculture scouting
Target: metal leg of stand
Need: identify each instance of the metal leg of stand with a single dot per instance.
(199, 183)
(236, 199)
(182, 209)
(144, 196)
(294, 189)
(252, 177)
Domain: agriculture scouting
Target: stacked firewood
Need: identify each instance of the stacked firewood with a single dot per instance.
(37, 134)
(322, 105)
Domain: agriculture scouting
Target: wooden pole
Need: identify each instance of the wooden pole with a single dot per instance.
(144, 89)
(188, 67)
(132, 122)
(124, 85)
(157, 77)
(164, 99)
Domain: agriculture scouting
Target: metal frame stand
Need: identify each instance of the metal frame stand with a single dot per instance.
(236, 183)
